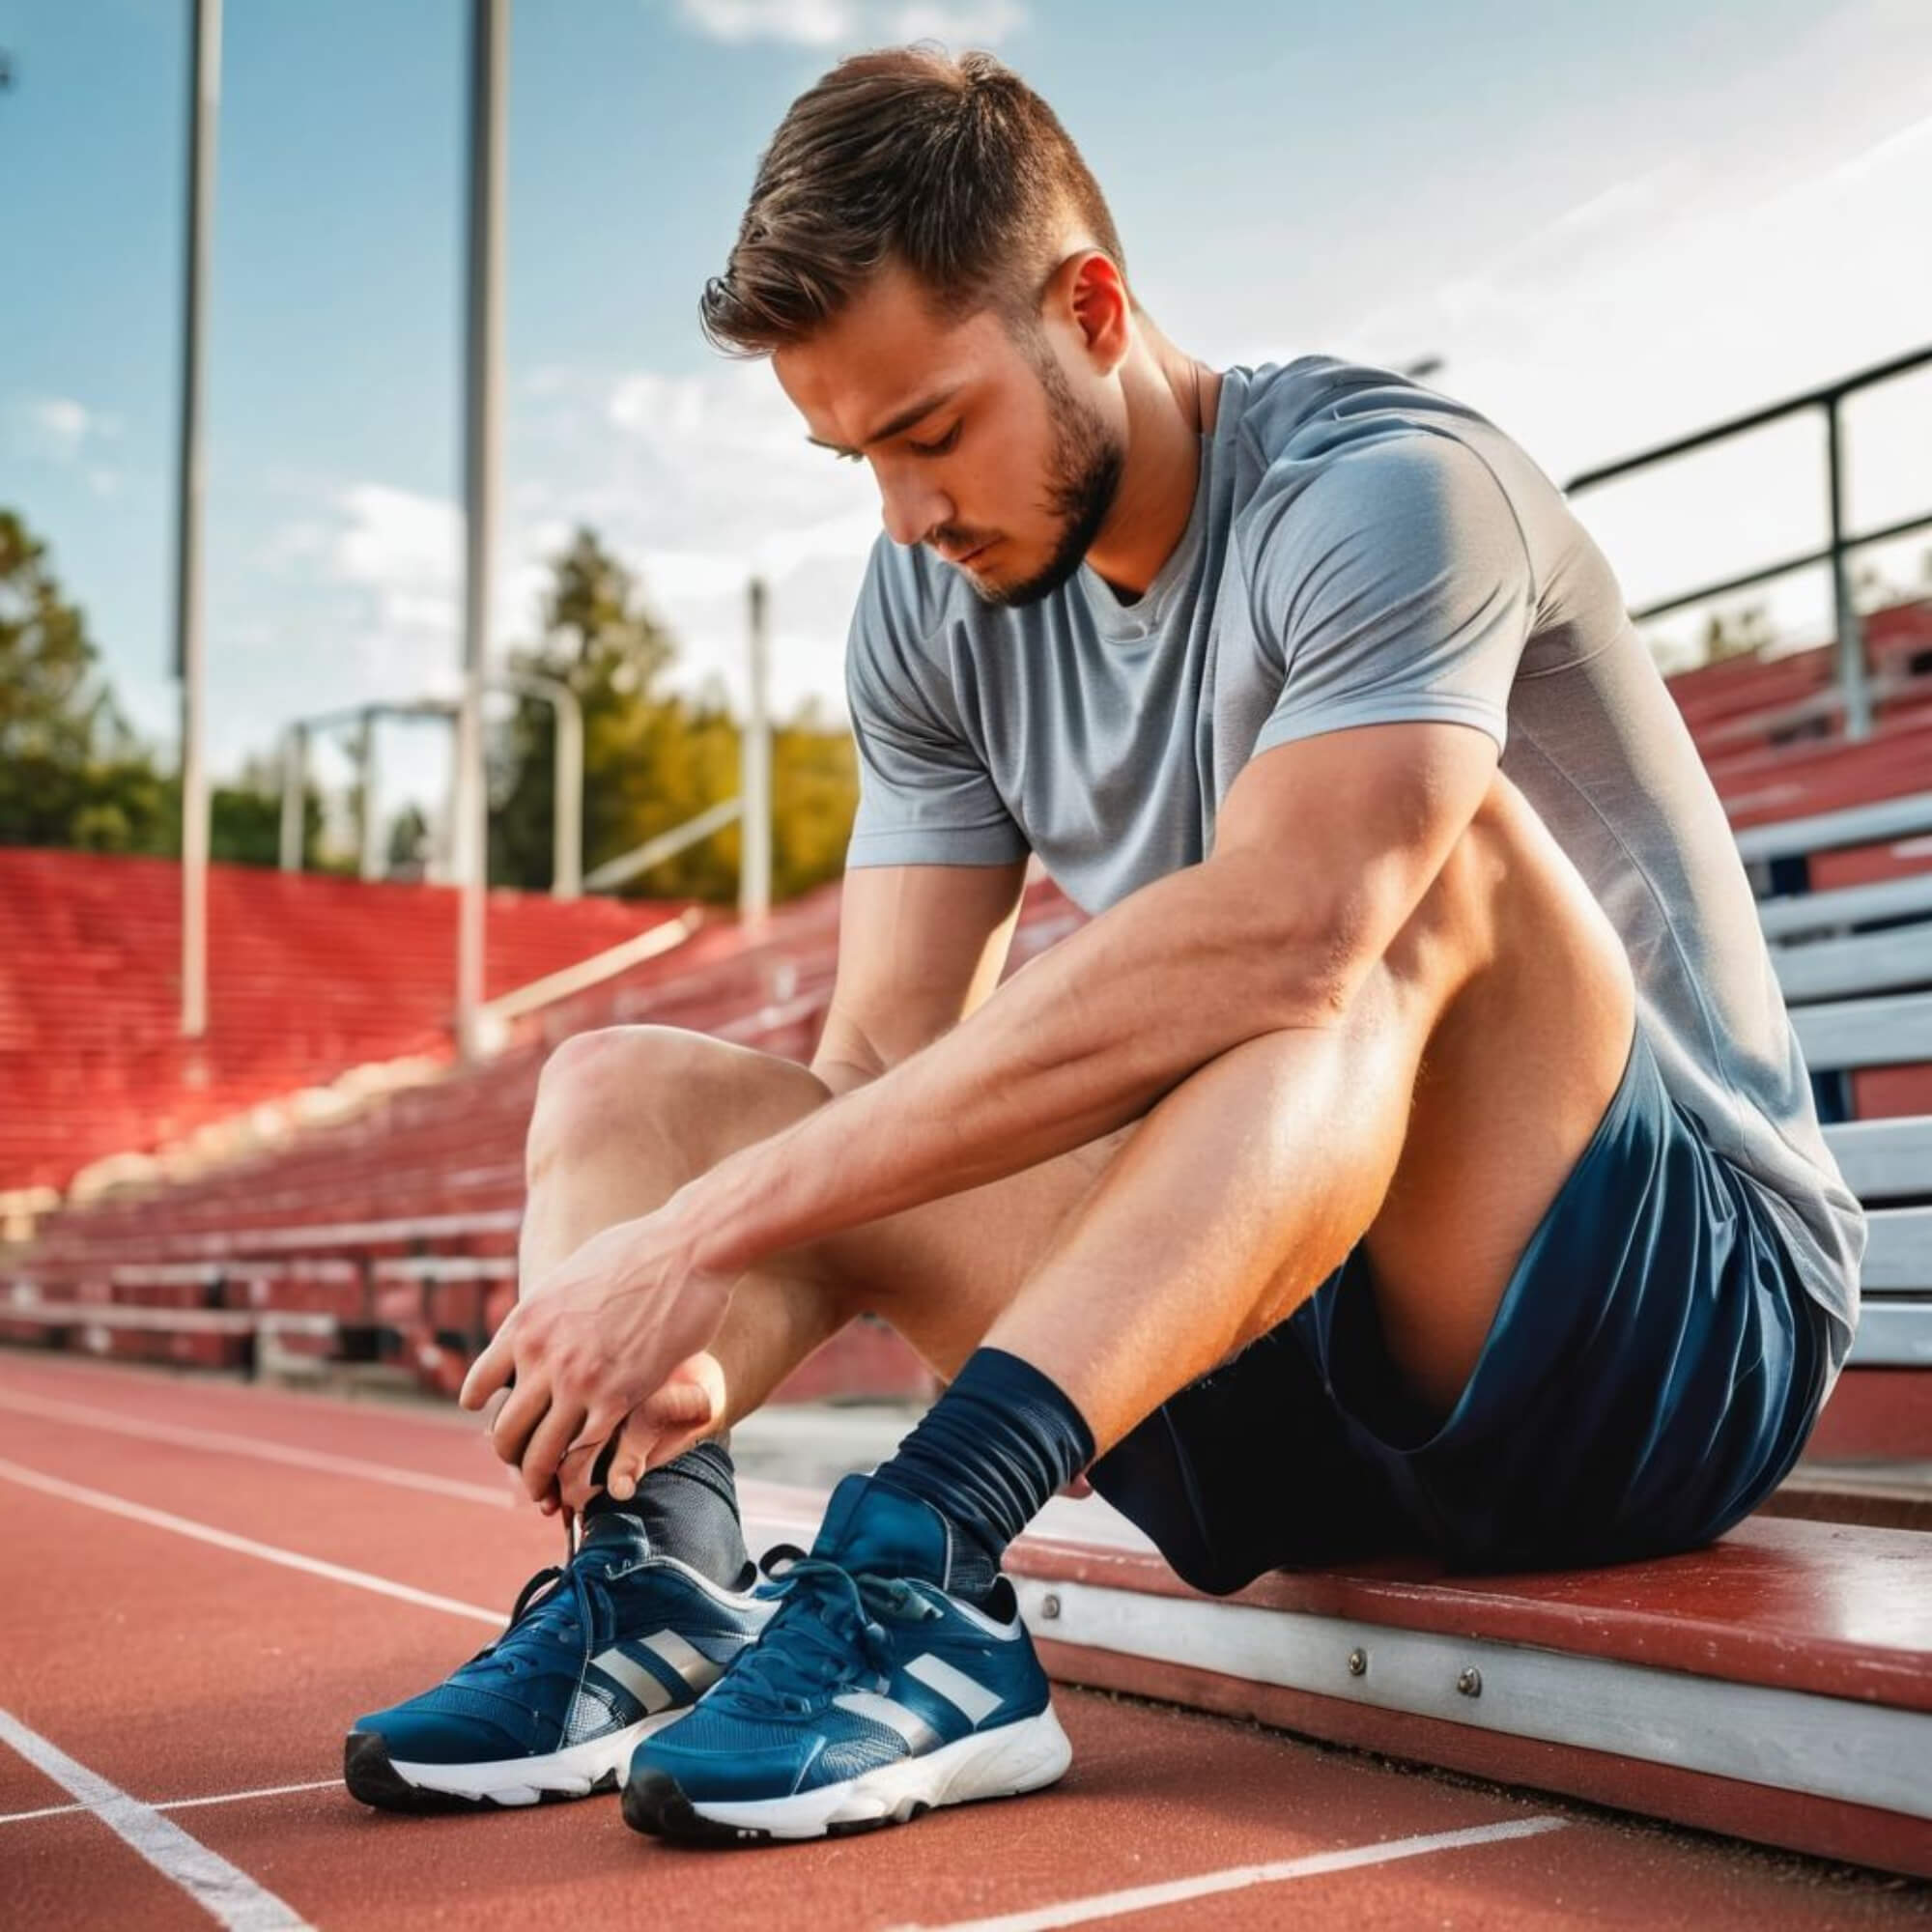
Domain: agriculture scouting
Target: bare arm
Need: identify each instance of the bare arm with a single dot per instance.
(1326, 847)
(919, 947)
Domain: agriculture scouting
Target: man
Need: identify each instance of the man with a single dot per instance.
(1414, 1151)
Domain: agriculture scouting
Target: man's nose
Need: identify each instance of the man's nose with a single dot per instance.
(912, 508)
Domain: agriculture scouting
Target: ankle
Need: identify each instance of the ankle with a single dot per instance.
(986, 1457)
(687, 1509)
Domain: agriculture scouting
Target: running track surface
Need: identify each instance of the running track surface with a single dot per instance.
(206, 1581)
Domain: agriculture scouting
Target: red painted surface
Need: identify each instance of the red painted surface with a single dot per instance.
(308, 976)
(176, 1669)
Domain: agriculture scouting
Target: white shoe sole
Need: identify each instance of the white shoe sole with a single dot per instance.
(575, 1773)
(1001, 1763)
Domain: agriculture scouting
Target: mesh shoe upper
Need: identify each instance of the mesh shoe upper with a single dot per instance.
(617, 1635)
(860, 1666)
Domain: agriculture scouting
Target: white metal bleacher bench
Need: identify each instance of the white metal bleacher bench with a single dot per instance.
(1856, 966)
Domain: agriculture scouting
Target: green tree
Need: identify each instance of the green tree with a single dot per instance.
(653, 759)
(72, 772)
(409, 843)
(246, 818)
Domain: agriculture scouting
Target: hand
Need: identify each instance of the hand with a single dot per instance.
(592, 1342)
(687, 1409)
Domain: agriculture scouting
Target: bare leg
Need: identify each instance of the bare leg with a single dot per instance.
(1438, 1121)
(624, 1117)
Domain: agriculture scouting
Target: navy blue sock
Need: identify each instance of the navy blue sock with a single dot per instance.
(986, 1456)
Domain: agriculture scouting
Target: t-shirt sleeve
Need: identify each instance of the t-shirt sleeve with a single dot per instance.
(925, 797)
(1399, 585)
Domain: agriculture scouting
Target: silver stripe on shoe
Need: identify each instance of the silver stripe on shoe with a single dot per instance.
(643, 1684)
(964, 1693)
(687, 1660)
(918, 1735)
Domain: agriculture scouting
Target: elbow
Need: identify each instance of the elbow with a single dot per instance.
(1305, 952)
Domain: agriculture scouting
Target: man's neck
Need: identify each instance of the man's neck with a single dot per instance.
(1171, 399)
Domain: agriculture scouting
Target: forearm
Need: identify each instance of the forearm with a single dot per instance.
(1084, 1041)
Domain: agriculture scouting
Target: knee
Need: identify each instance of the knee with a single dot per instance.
(642, 1091)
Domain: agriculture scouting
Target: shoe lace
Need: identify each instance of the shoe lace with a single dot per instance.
(827, 1612)
(546, 1607)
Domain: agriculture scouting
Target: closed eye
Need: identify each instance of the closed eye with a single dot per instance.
(940, 448)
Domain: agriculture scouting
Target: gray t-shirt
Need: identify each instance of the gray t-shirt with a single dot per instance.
(1361, 551)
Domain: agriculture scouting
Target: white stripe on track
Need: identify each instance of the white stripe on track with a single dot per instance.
(1178, 1891)
(243, 1546)
(225, 1892)
(254, 1448)
(179, 1804)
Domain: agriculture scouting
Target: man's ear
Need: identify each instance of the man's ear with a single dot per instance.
(1089, 294)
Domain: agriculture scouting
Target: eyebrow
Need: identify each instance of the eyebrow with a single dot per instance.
(897, 426)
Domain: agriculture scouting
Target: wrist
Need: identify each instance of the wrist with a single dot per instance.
(707, 1221)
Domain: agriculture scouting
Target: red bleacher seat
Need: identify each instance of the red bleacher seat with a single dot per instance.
(309, 976)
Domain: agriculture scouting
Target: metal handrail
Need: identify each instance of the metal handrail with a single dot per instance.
(649, 944)
(567, 804)
(666, 845)
(1853, 679)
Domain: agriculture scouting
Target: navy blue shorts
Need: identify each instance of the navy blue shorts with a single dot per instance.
(1652, 1370)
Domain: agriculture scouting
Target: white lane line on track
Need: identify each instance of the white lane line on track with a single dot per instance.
(243, 1546)
(1238, 1878)
(178, 1803)
(253, 1447)
(225, 1892)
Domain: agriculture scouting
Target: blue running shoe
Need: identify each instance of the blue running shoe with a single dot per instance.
(873, 1696)
(598, 1654)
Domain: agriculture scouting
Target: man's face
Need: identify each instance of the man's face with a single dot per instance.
(983, 447)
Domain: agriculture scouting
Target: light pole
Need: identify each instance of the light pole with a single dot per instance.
(483, 382)
(203, 103)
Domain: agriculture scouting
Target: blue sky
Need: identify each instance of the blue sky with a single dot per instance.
(1614, 224)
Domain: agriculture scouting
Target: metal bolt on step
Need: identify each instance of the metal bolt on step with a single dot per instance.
(1358, 1664)
(1049, 1607)
(1470, 1682)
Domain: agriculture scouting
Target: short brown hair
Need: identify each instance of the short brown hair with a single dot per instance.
(954, 168)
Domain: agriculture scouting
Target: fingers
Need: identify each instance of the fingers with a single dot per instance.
(519, 1417)
(581, 1473)
(548, 1444)
(628, 1462)
(576, 1476)
(494, 1367)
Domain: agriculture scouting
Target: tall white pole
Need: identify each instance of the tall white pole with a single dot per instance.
(370, 866)
(294, 796)
(190, 667)
(483, 372)
(567, 835)
(754, 779)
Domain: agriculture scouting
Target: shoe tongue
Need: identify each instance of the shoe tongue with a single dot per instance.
(872, 1529)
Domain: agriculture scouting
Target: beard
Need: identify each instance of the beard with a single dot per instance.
(1082, 477)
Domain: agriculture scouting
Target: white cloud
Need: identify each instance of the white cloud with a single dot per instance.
(60, 429)
(827, 23)
(1773, 249)
(699, 481)
(403, 549)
